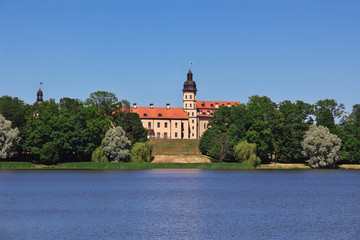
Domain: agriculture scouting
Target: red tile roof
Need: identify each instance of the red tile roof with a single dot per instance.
(207, 108)
(212, 104)
(160, 113)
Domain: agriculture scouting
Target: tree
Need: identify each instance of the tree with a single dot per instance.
(321, 147)
(142, 152)
(222, 148)
(349, 133)
(13, 109)
(116, 145)
(9, 138)
(246, 153)
(103, 101)
(326, 112)
(296, 122)
(263, 123)
(131, 123)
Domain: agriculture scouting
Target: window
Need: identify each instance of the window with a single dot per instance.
(149, 124)
(192, 113)
(192, 134)
(166, 124)
(192, 127)
(190, 105)
(158, 124)
(185, 96)
(165, 135)
(190, 96)
(185, 105)
(158, 135)
(204, 125)
(211, 105)
(176, 135)
(159, 115)
(176, 125)
(145, 115)
(193, 121)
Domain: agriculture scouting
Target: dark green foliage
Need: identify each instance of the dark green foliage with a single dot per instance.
(296, 123)
(349, 133)
(142, 152)
(131, 123)
(246, 153)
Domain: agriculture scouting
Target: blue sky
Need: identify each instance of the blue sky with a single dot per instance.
(140, 50)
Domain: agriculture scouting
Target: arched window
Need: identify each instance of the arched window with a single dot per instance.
(145, 115)
(159, 115)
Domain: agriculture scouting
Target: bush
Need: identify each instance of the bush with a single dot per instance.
(321, 147)
(246, 153)
(142, 152)
(99, 155)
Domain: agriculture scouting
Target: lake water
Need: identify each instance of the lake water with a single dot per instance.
(180, 204)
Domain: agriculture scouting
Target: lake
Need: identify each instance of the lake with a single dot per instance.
(180, 204)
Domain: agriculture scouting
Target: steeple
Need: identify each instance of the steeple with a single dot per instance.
(189, 84)
(39, 98)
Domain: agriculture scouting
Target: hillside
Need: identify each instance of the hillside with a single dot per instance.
(176, 146)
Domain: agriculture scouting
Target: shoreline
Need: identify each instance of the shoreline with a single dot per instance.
(163, 165)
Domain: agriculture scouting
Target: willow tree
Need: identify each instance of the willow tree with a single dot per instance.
(321, 147)
(9, 138)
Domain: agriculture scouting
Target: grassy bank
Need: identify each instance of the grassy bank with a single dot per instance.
(134, 166)
(176, 146)
(17, 165)
(93, 165)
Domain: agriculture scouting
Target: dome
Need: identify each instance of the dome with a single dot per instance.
(189, 84)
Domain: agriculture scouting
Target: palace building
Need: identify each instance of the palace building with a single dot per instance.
(188, 122)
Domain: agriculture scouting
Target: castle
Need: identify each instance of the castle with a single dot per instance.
(188, 122)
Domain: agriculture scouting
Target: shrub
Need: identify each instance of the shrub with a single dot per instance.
(142, 152)
(321, 147)
(98, 154)
(246, 153)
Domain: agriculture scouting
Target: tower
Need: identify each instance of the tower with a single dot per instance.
(39, 95)
(189, 104)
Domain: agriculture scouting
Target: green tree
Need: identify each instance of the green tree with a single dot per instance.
(321, 147)
(14, 110)
(246, 153)
(326, 112)
(9, 138)
(142, 152)
(296, 122)
(263, 122)
(222, 148)
(349, 133)
(103, 101)
(116, 145)
(131, 123)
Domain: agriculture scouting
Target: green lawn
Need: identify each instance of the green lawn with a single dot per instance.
(176, 146)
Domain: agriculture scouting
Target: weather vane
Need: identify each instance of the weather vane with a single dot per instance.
(191, 63)
(41, 83)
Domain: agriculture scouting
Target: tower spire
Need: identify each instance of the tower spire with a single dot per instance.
(39, 95)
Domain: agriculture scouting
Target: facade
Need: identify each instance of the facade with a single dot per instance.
(188, 122)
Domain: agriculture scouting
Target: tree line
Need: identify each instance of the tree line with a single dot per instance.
(288, 132)
(71, 130)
